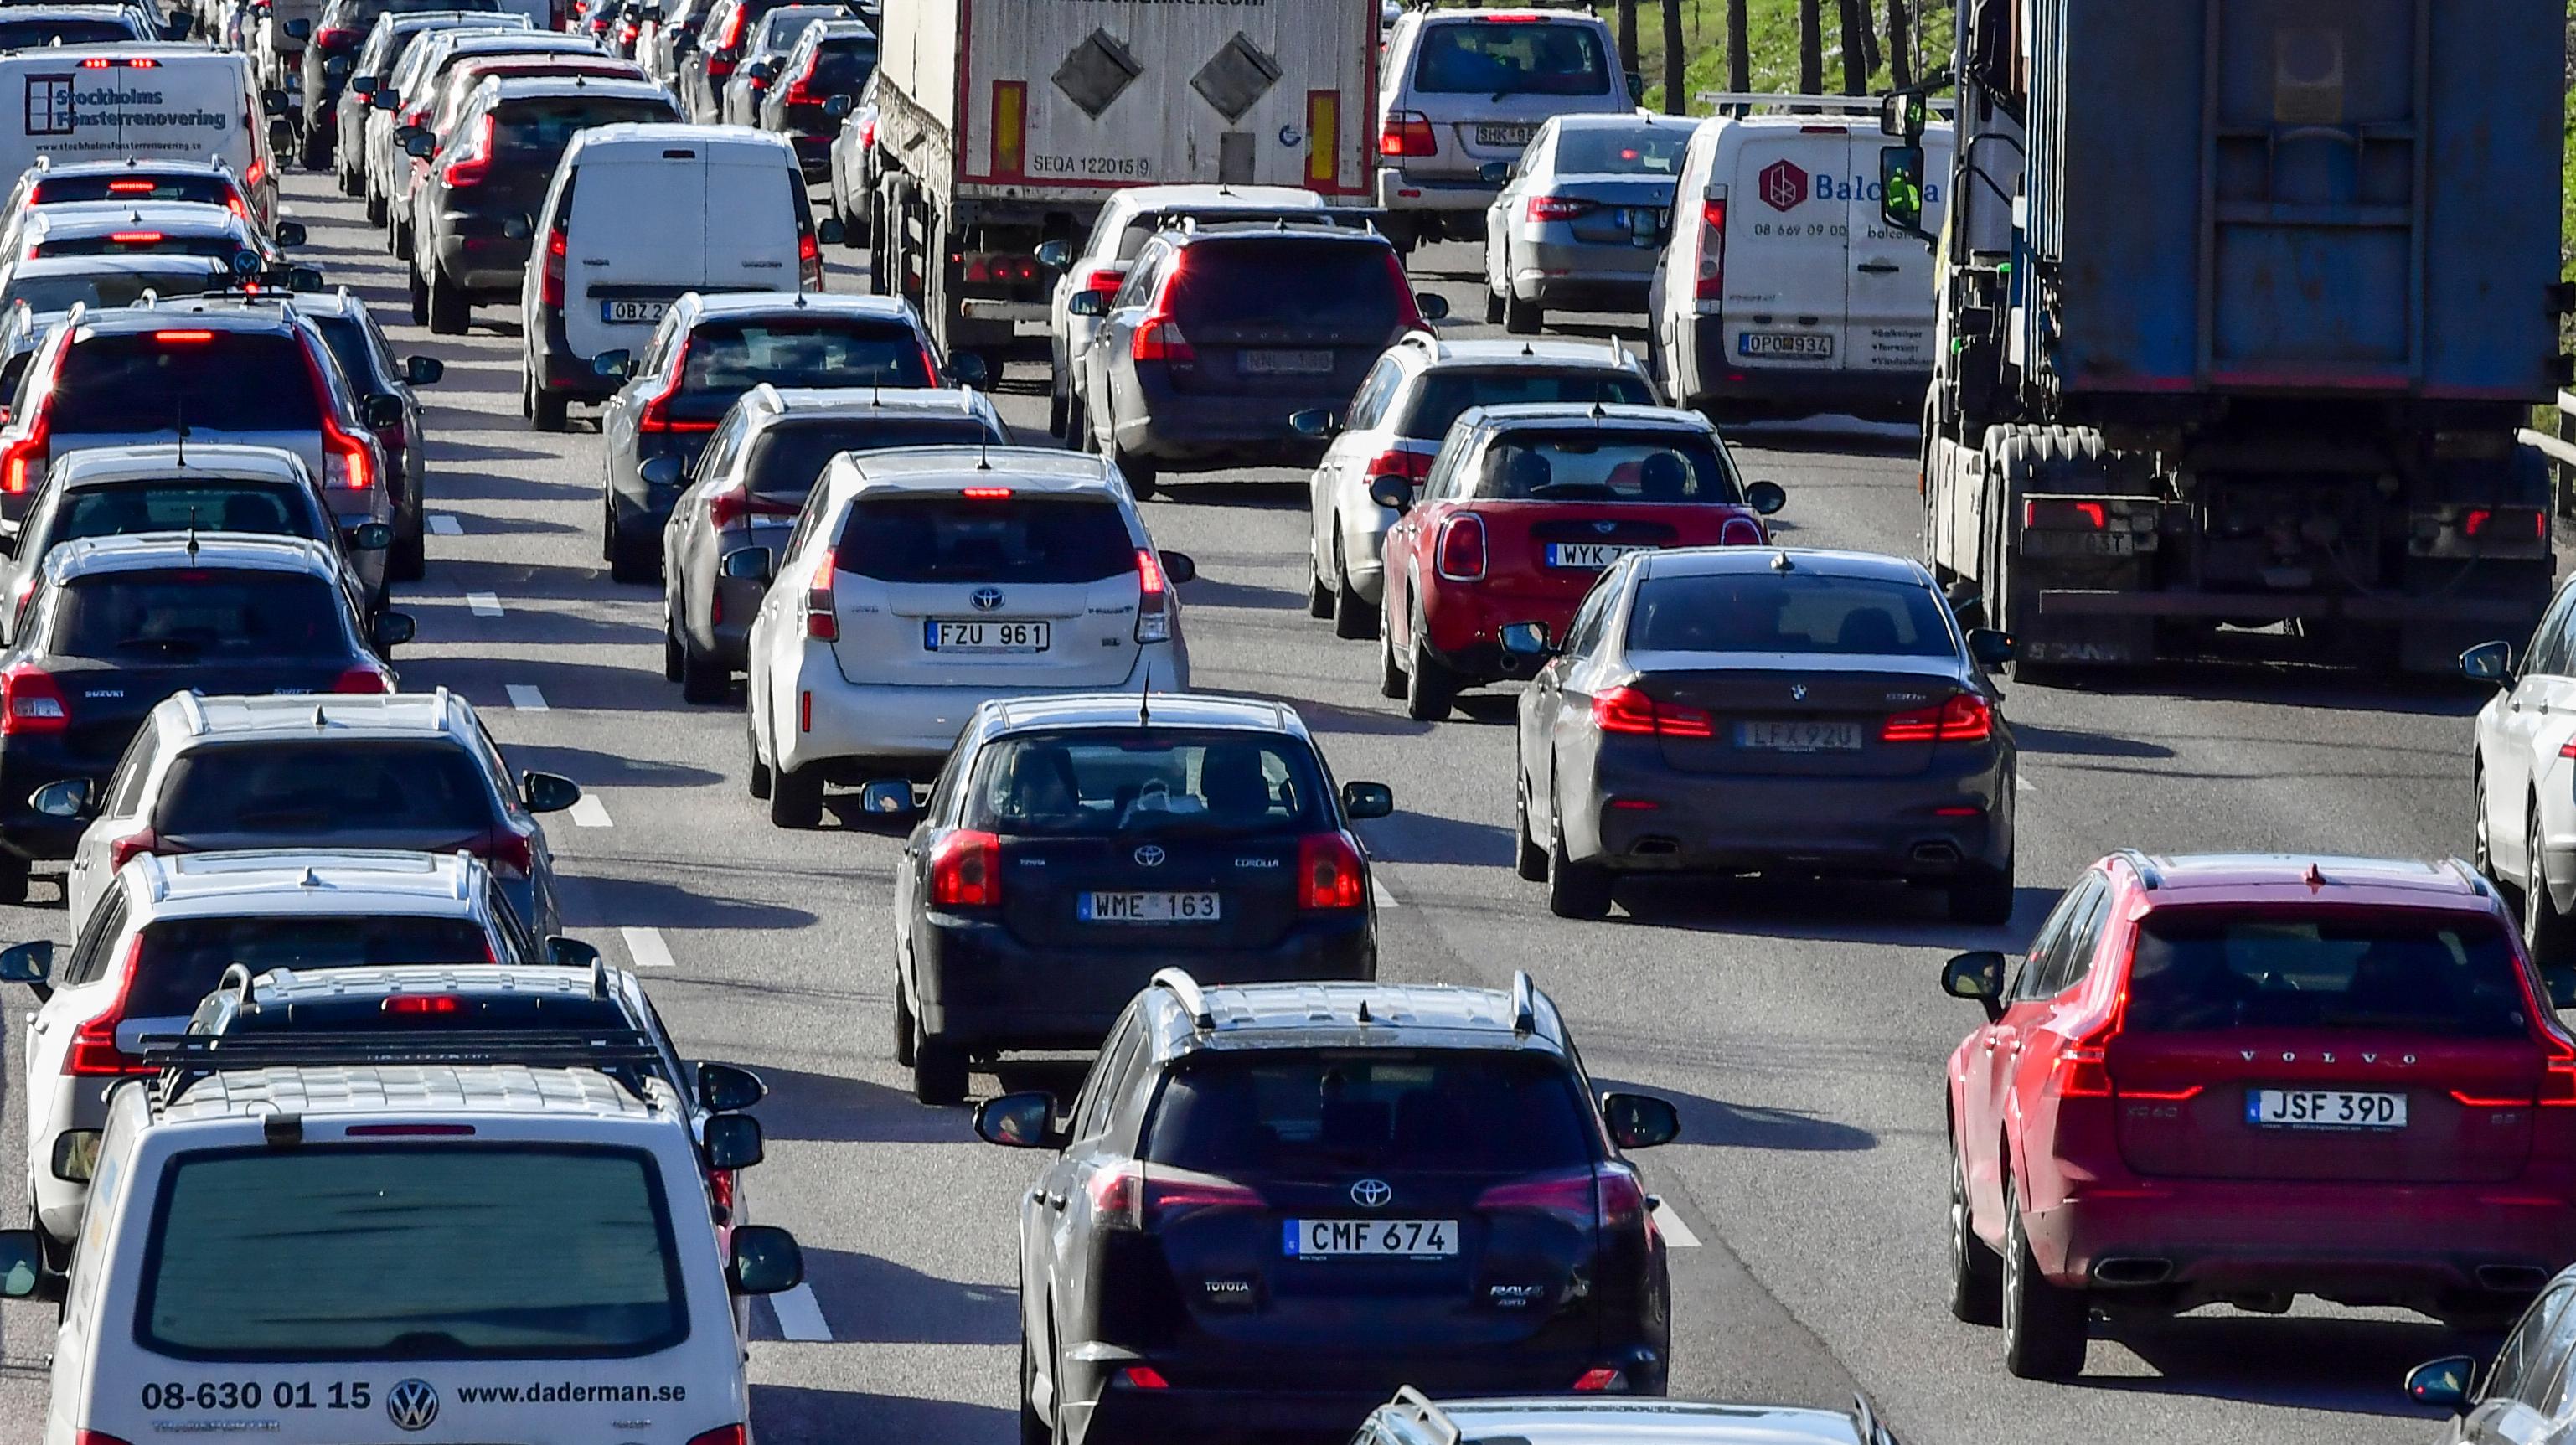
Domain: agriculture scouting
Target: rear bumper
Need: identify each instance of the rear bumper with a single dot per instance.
(472, 254)
(1402, 190)
(1729, 387)
(564, 371)
(1582, 275)
(1188, 430)
(858, 731)
(1863, 826)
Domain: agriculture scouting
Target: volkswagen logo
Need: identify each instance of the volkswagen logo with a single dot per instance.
(1797, 692)
(1149, 856)
(1367, 1194)
(412, 1405)
(987, 598)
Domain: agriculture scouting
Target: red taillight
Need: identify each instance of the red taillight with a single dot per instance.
(1558, 208)
(1741, 532)
(1106, 280)
(1623, 1199)
(2066, 516)
(473, 161)
(1711, 284)
(1144, 1377)
(1600, 1379)
(550, 281)
(809, 261)
(2080, 1071)
(867, 132)
(798, 89)
(508, 851)
(93, 1050)
(357, 463)
(722, 1435)
(1149, 573)
(1409, 313)
(130, 847)
(966, 870)
(135, 238)
(31, 702)
(94, 1437)
(732, 504)
(1160, 339)
(1412, 466)
(1001, 267)
(1626, 710)
(2558, 1075)
(1571, 1197)
(20, 459)
(114, 188)
(1407, 133)
(258, 168)
(655, 414)
(1329, 875)
(338, 38)
(182, 338)
(1124, 1198)
(422, 1003)
(1459, 555)
(822, 621)
(363, 680)
(1965, 718)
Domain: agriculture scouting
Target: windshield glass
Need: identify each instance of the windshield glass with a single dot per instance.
(2199, 970)
(36, 34)
(203, 190)
(184, 958)
(305, 792)
(184, 614)
(1396, 1110)
(787, 460)
(843, 66)
(1499, 58)
(731, 357)
(954, 539)
(1446, 393)
(1592, 464)
(214, 245)
(236, 381)
(119, 509)
(1602, 151)
(535, 133)
(99, 290)
(1310, 285)
(1789, 612)
(338, 1252)
(1094, 784)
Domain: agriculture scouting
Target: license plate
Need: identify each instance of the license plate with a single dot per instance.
(1783, 343)
(2324, 1109)
(1149, 908)
(1504, 135)
(629, 313)
(2122, 543)
(945, 636)
(1396, 1238)
(1779, 736)
(1591, 556)
(1288, 363)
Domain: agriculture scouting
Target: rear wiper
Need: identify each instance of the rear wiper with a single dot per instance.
(162, 644)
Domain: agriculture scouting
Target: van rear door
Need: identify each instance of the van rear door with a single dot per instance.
(628, 261)
(750, 220)
(1889, 292)
(1787, 249)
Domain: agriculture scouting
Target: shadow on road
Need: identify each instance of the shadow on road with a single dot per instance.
(1832, 910)
(795, 1415)
(870, 1300)
(1719, 1124)
(2350, 1366)
(828, 1108)
(590, 901)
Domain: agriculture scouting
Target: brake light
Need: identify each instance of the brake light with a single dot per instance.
(421, 1003)
(721, 1435)
(337, 38)
(1160, 339)
(2066, 516)
(822, 622)
(182, 338)
(94, 1051)
(867, 132)
(20, 459)
(809, 260)
(363, 679)
(966, 870)
(1005, 267)
(797, 91)
(114, 188)
(1124, 1198)
(1459, 555)
(1965, 718)
(2558, 1075)
(1623, 1199)
(1106, 280)
(1558, 208)
(94, 1437)
(34, 704)
(2080, 1071)
(508, 852)
(1711, 285)
(356, 465)
(1407, 133)
(1571, 1197)
(258, 168)
(655, 415)
(1144, 1377)
(1627, 710)
(550, 281)
(473, 161)
(135, 238)
(124, 850)
(1409, 319)
(1598, 1379)
(732, 504)
(1328, 872)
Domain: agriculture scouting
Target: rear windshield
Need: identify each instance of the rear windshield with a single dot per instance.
(204, 190)
(787, 460)
(1499, 58)
(120, 509)
(2196, 972)
(780, 29)
(445, 1010)
(303, 792)
(183, 959)
(35, 34)
(536, 132)
(1146, 225)
(954, 539)
(843, 65)
(1090, 784)
(734, 356)
(1591, 464)
(183, 614)
(1340, 1110)
(345, 1252)
(106, 290)
(214, 245)
(1445, 393)
(350, 347)
(1294, 282)
(236, 380)
(1602, 151)
(363, 14)
(1787, 612)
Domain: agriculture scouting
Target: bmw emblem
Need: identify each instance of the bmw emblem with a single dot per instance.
(412, 1405)
(1149, 856)
(1372, 1193)
(1797, 692)
(987, 598)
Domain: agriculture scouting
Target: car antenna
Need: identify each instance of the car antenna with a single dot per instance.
(1528, 350)
(181, 406)
(1780, 561)
(1145, 699)
(984, 455)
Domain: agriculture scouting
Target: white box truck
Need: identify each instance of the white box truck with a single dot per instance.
(1003, 124)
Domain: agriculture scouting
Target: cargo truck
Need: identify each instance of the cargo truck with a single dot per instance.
(2240, 304)
(1003, 124)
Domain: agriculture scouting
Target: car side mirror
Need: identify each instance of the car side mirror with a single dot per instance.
(1495, 173)
(1766, 498)
(274, 101)
(1904, 115)
(748, 564)
(386, 98)
(380, 410)
(1527, 639)
(839, 107)
(1019, 1121)
(299, 29)
(2444, 1383)
(1979, 976)
(1392, 492)
(75, 1158)
(423, 371)
(1636, 90)
(2488, 662)
(762, 71)
(518, 228)
(22, 1267)
(1641, 1121)
(729, 1088)
(1989, 647)
(1178, 567)
(1432, 305)
(661, 471)
(969, 369)
(1900, 189)
(421, 144)
(830, 232)
(765, 1257)
(335, 68)
(548, 792)
(290, 233)
(613, 363)
(364, 86)
(1367, 800)
(2559, 980)
(887, 798)
(303, 278)
(370, 537)
(391, 630)
(567, 952)
(1087, 303)
(732, 1141)
(1314, 421)
(1055, 255)
(65, 798)
(30, 963)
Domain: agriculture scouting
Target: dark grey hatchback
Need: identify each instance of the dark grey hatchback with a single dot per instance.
(1771, 710)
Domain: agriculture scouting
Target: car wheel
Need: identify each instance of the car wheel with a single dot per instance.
(938, 1069)
(630, 561)
(2481, 847)
(375, 209)
(315, 151)
(1059, 410)
(548, 410)
(1529, 860)
(1319, 597)
(1574, 890)
(1976, 1273)
(903, 1025)
(756, 781)
(1982, 894)
(796, 797)
(2045, 1327)
(1353, 619)
(1429, 686)
(1077, 422)
(2544, 928)
(1390, 676)
(449, 312)
(1141, 476)
(408, 559)
(13, 879)
(1522, 318)
(703, 680)
(1493, 307)
(1034, 1429)
(672, 667)
(419, 300)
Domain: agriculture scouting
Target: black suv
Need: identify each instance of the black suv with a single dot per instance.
(1274, 1203)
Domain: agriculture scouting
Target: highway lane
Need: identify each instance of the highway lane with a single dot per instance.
(1800, 1028)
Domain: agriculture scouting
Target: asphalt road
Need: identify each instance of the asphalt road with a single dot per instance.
(1800, 1029)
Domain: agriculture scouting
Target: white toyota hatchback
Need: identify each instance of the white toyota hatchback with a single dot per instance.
(918, 583)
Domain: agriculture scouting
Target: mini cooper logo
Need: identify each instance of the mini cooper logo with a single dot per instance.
(987, 598)
(1605, 528)
(1149, 856)
(1797, 692)
(1372, 1193)
(412, 1405)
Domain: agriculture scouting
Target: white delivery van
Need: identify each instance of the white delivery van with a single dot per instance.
(1780, 291)
(108, 102)
(640, 215)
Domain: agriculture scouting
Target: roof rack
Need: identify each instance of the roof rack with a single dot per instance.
(2148, 873)
(1748, 102)
(625, 1055)
(1185, 990)
(1429, 1416)
(1524, 1004)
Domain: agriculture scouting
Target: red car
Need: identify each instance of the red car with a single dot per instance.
(2241, 1079)
(1522, 509)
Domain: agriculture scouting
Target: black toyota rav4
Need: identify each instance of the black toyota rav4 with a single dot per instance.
(1274, 1203)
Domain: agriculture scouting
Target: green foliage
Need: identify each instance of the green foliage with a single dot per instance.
(1772, 26)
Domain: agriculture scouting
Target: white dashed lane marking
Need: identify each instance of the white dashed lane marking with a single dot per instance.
(799, 1317)
(590, 812)
(1384, 898)
(526, 698)
(484, 604)
(445, 525)
(2023, 784)
(1676, 1234)
(646, 947)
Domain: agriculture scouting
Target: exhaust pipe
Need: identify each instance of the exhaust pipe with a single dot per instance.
(2132, 1271)
(2512, 1278)
(1936, 853)
(1656, 848)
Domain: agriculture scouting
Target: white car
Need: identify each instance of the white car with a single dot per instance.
(919, 583)
(167, 929)
(1393, 428)
(2523, 777)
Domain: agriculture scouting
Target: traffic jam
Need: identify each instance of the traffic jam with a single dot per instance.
(1012, 968)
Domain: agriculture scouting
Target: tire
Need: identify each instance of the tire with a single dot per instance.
(419, 291)
(1574, 890)
(1077, 425)
(1059, 410)
(1429, 686)
(1353, 619)
(547, 411)
(315, 149)
(1390, 676)
(2481, 846)
(756, 780)
(671, 669)
(938, 1069)
(1982, 895)
(449, 313)
(1522, 318)
(13, 879)
(2045, 1327)
(1319, 597)
(1034, 1429)
(375, 209)
(408, 559)
(628, 561)
(903, 1025)
(1142, 478)
(703, 681)
(1529, 860)
(1976, 1271)
(1493, 307)
(796, 798)
(2545, 930)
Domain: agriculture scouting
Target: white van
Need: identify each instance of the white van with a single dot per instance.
(109, 102)
(313, 1255)
(1780, 291)
(640, 215)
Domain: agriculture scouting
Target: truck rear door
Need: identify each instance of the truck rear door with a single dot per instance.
(1787, 249)
(1888, 293)
(629, 259)
(750, 221)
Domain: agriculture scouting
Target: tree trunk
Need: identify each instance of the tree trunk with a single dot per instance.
(1628, 36)
(1676, 58)
(1739, 48)
(1900, 46)
(1855, 28)
(1811, 47)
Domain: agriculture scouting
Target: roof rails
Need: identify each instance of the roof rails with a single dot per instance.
(625, 1055)
(2469, 874)
(1524, 1004)
(2148, 873)
(1429, 340)
(1748, 102)
(1185, 991)
(1434, 1420)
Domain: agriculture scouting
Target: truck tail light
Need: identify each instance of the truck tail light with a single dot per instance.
(966, 870)
(1460, 555)
(1329, 875)
(1711, 283)
(1407, 133)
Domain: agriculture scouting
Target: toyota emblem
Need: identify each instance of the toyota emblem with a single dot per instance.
(987, 598)
(412, 1405)
(1367, 1194)
(1149, 856)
